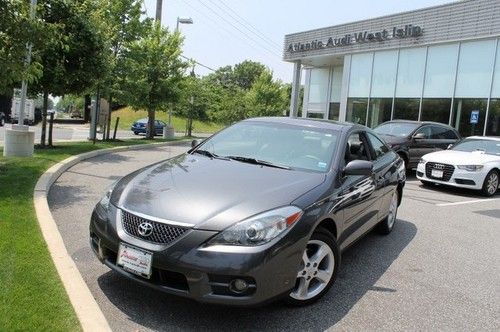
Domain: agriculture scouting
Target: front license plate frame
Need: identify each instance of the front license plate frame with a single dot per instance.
(135, 260)
(437, 173)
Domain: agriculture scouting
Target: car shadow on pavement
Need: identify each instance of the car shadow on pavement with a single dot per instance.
(362, 266)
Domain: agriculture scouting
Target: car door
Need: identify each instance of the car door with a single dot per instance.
(383, 169)
(442, 136)
(420, 144)
(357, 193)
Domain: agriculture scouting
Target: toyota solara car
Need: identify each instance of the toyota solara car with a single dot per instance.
(260, 211)
(473, 163)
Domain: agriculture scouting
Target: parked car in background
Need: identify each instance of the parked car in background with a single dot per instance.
(76, 114)
(139, 126)
(413, 139)
(473, 163)
(259, 211)
(2, 119)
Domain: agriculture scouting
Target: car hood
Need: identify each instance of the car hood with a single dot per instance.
(211, 194)
(393, 140)
(460, 158)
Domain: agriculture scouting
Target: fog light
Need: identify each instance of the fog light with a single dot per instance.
(238, 285)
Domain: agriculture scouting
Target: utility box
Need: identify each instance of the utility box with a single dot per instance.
(29, 110)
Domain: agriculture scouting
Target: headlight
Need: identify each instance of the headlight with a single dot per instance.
(103, 204)
(421, 161)
(471, 168)
(259, 229)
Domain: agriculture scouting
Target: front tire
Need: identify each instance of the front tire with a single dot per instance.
(491, 182)
(386, 225)
(318, 270)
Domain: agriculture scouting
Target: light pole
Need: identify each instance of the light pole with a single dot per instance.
(180, 20)
(183, 20)
(24, 84)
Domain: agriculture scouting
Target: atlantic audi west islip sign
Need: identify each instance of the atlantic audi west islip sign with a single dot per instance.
(437, 64)
(407, 31)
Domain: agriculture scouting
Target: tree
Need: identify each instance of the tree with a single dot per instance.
(266, 97)
(247, 72)
(123, 25)
(195, 100)
(17, 29)
(75, 60)
(154, 72)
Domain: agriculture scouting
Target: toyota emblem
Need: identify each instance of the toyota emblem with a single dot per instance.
(145, 229)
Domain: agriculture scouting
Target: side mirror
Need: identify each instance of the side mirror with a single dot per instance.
(419, 136)
(449, 146)
(194, 143)
(358, 167)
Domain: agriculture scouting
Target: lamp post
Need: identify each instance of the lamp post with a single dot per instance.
(180, 20)
(183, 20)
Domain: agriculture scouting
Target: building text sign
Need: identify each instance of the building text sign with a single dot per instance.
(408, 31)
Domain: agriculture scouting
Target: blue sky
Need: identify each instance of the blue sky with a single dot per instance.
(222, 30)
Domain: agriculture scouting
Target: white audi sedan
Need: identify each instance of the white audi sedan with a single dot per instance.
(472, 163)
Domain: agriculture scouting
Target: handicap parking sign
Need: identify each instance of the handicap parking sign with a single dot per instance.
(474, 117)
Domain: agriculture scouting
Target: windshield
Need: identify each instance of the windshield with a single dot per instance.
(483, 145)
(401, 129)
(280, 144)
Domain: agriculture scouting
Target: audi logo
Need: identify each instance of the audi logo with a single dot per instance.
(439, 166)
(145, 229)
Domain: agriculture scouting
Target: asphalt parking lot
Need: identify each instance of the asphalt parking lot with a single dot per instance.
(438, 269)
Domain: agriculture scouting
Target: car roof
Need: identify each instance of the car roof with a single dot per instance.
(490, 138)
(417, 122)
(308, 122)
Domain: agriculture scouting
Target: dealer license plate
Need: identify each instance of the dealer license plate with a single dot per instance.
(135, 260)
(436, 173)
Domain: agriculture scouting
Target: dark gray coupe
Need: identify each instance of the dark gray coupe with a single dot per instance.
(260, 211)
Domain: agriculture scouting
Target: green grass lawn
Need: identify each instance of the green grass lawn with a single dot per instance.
(32, 296)
(128, 116)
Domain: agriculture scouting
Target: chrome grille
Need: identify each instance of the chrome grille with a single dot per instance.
(447, 170)
(161, 234)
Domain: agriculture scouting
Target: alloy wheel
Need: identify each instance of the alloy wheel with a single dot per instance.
(318, 264)
(492, 183)
(393, 209)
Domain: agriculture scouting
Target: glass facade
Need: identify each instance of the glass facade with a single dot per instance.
(445, 83)
(406, 108)
(436, 109)
(356, 110)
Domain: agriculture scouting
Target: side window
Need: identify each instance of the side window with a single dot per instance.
(426, 131)
(442, 133)
(378, 146)
(356, 148)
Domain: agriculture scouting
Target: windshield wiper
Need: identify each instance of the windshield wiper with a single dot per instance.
(209, 154)
(256, 162)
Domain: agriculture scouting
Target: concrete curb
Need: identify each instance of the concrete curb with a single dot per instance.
(87, 310)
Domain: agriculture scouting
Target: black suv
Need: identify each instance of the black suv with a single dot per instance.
(412, 139)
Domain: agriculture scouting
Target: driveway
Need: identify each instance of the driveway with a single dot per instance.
(438, 269)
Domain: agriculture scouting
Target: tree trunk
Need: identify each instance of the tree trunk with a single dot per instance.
(150, 131)
(44, 118)
(86, 111)
(108, 124)
(189, 126)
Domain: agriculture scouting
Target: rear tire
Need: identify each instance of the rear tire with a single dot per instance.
(491, 182)
(2, 122)
(318, 269)
(386, 225)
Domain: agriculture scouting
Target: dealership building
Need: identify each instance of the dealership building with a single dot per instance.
(435, 64)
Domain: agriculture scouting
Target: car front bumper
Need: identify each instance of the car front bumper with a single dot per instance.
(188, 268)
(459, 178)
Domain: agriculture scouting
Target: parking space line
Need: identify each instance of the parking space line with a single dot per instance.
(469, 202)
